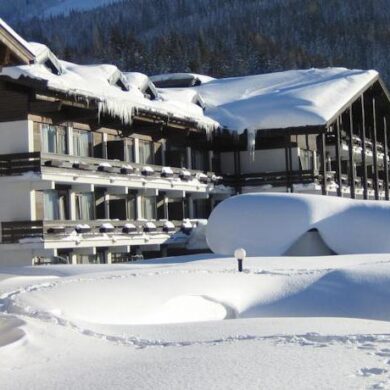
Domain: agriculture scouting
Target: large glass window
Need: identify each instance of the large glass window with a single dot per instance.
(55, 205)
(200, 160)
(82, 143)
(149, 207)
(129, 151)
(85, 207)
(146, 152)
(132, 207)
(54, 139)
(202, 208)
(306, 159)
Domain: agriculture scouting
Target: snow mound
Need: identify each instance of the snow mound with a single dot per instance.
(187, 308)
(270, 224)
(10, 331)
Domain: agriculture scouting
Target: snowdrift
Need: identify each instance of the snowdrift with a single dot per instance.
(210, 290)
(271, 224)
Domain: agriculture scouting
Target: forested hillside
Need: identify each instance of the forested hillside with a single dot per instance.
(222, 37)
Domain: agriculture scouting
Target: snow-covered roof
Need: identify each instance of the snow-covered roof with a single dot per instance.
(294, 98)
(96, 82)
(170, 80)
(16, 38)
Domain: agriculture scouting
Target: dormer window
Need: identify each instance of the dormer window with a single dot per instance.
(120, 84)
(150, 94)
(52, 67)
(118, 80)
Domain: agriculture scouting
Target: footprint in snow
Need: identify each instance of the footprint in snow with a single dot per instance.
(371, 371)
(385, 352)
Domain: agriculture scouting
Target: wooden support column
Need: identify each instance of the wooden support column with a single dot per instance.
(237, 170)
(364, 159)
(322, 150)
(375, 156)
(386, 159)
(338, 160)
(351, 157)
(290, 164)
(287, 163)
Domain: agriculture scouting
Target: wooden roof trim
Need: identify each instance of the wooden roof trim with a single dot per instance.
(17, 48)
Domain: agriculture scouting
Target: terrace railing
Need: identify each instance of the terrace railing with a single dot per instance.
(37, 231)
(283, 178)
(20, 163)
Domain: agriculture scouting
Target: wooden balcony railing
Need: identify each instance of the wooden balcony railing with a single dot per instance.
(273, 178)
(17, 164)
(36, 231)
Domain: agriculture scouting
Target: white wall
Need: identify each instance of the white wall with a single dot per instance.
(270, 160)
(17, 201)
(16, 137)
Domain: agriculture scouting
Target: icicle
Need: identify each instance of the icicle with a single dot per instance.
(118, 108)
(251, 143)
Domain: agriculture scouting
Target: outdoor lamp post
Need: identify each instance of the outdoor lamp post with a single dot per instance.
(240, 255)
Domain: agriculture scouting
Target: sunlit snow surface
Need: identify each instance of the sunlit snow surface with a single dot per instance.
(194, 322)
(269, 224)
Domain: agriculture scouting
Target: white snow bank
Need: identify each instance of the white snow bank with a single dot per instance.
(197, 238)
(214, 290)
(269, 224)
(10, 331)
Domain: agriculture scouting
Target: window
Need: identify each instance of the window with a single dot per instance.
(82, 143)
(146, 152)
(55, 205)
(306, 159)
(201, 208)
(99, 258)
(132, 207)
(129, 151)
(200, 160)
(54, 139)
(149, 207)
(85, 207)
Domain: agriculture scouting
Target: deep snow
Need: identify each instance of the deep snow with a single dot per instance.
(269, 224)
(289, 322)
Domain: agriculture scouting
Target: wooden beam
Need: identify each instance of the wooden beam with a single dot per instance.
(322, 149)
(338, 160)
(375, 156)
(351, 156)
(385, 158)
(364, 159)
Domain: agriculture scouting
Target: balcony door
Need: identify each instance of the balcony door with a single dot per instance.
(82, 143)
(85, 206)
(55, 205)
(53, 139)
(149, 207)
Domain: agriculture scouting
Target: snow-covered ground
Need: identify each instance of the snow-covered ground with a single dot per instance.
(195, 323)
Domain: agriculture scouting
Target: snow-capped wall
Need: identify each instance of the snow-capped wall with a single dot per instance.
(270, 224)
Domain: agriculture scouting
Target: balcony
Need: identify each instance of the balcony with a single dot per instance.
(275, 179)
(99, 233)
(102, 172)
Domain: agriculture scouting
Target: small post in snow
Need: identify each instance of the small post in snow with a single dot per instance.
(240, 255)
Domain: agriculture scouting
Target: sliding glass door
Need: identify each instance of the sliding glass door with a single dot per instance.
(85, 206)
(54, 139)
(55, 205)
(82, 143)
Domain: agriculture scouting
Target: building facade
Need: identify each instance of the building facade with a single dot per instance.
(84, 182)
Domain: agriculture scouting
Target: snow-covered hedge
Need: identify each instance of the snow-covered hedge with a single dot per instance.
(270, 224)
